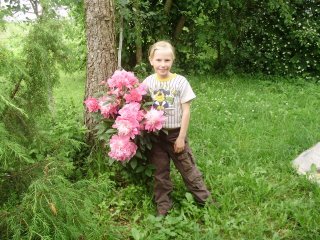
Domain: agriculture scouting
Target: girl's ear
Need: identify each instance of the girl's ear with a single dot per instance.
(150, 60)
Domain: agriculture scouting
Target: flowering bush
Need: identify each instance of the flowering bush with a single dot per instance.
(125, 117)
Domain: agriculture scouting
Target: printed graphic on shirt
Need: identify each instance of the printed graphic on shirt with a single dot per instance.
(169, 96)
(163, 99)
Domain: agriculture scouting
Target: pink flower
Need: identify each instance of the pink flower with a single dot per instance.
(117, 92)
(108, 110)
(122, 104)
(154, 120)
(122, 148)
(108, 107)
(127, 127)
(131, 78)
(135, 94)
(122, 79)
(132, 111)
(92, 104)
(128, 121)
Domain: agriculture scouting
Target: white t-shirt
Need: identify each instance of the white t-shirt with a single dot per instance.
(168, 95)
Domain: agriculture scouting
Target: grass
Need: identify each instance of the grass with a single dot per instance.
(71, 88)
(245, 134)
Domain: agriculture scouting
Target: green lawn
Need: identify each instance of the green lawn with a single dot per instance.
(244, 134)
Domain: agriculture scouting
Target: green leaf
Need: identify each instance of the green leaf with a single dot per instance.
(149, 145)
(104, 137)
(133, 163)
(165, 131)
(111, 161)
(135, 233)
(148, 172)
(111, 131)
(189, 197)
(147, 104)
(138, 154)
(8, 103)
(140, 169)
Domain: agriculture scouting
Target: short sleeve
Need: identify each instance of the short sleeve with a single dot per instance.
(187, 93)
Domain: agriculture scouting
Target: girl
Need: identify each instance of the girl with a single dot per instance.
(173, 94)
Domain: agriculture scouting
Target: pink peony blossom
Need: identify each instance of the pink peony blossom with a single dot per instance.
(122, 104)
(132, 111)
(154, 120)
(131, 78)
(127, 127)
(108, 106)
(135, 94)
(108, 110)
(117, 92)
(122, 148)
(128, 120)
(92, 104)
(122, 79)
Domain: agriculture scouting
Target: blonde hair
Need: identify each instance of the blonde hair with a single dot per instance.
(161, 45)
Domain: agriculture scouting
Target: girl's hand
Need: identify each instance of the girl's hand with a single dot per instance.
(179, 145)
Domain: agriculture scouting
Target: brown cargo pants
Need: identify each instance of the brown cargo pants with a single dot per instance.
(161, 153)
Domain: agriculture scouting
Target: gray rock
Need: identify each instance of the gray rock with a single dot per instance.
(307, 161)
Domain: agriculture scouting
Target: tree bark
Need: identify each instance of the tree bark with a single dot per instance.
(179, 28)
(167, 6)
(35, 7)
(101, 50)
(138, 31)
(218, 44)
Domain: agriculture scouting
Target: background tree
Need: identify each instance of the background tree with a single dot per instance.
(270, 37)
(101, 47)
(38, 151)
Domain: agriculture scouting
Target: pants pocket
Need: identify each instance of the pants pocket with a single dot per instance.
(185, 160)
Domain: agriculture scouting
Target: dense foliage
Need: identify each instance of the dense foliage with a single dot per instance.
(34, 138)
(271, 37)
(281, 38)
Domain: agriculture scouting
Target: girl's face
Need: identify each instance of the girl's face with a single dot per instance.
(162, 61)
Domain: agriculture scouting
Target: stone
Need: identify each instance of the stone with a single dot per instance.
(308, 162)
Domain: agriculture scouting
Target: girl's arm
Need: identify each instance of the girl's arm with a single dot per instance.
(180, 142)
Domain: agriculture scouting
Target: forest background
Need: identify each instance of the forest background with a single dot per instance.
(255, 69)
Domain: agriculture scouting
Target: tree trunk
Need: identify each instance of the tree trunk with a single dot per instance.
(218, 46)
(138, 31)
(35, 7)
(179, 28)
(167, 6)
(101, 47)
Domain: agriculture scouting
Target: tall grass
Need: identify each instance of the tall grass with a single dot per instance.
(70, 89)
(244, 132)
